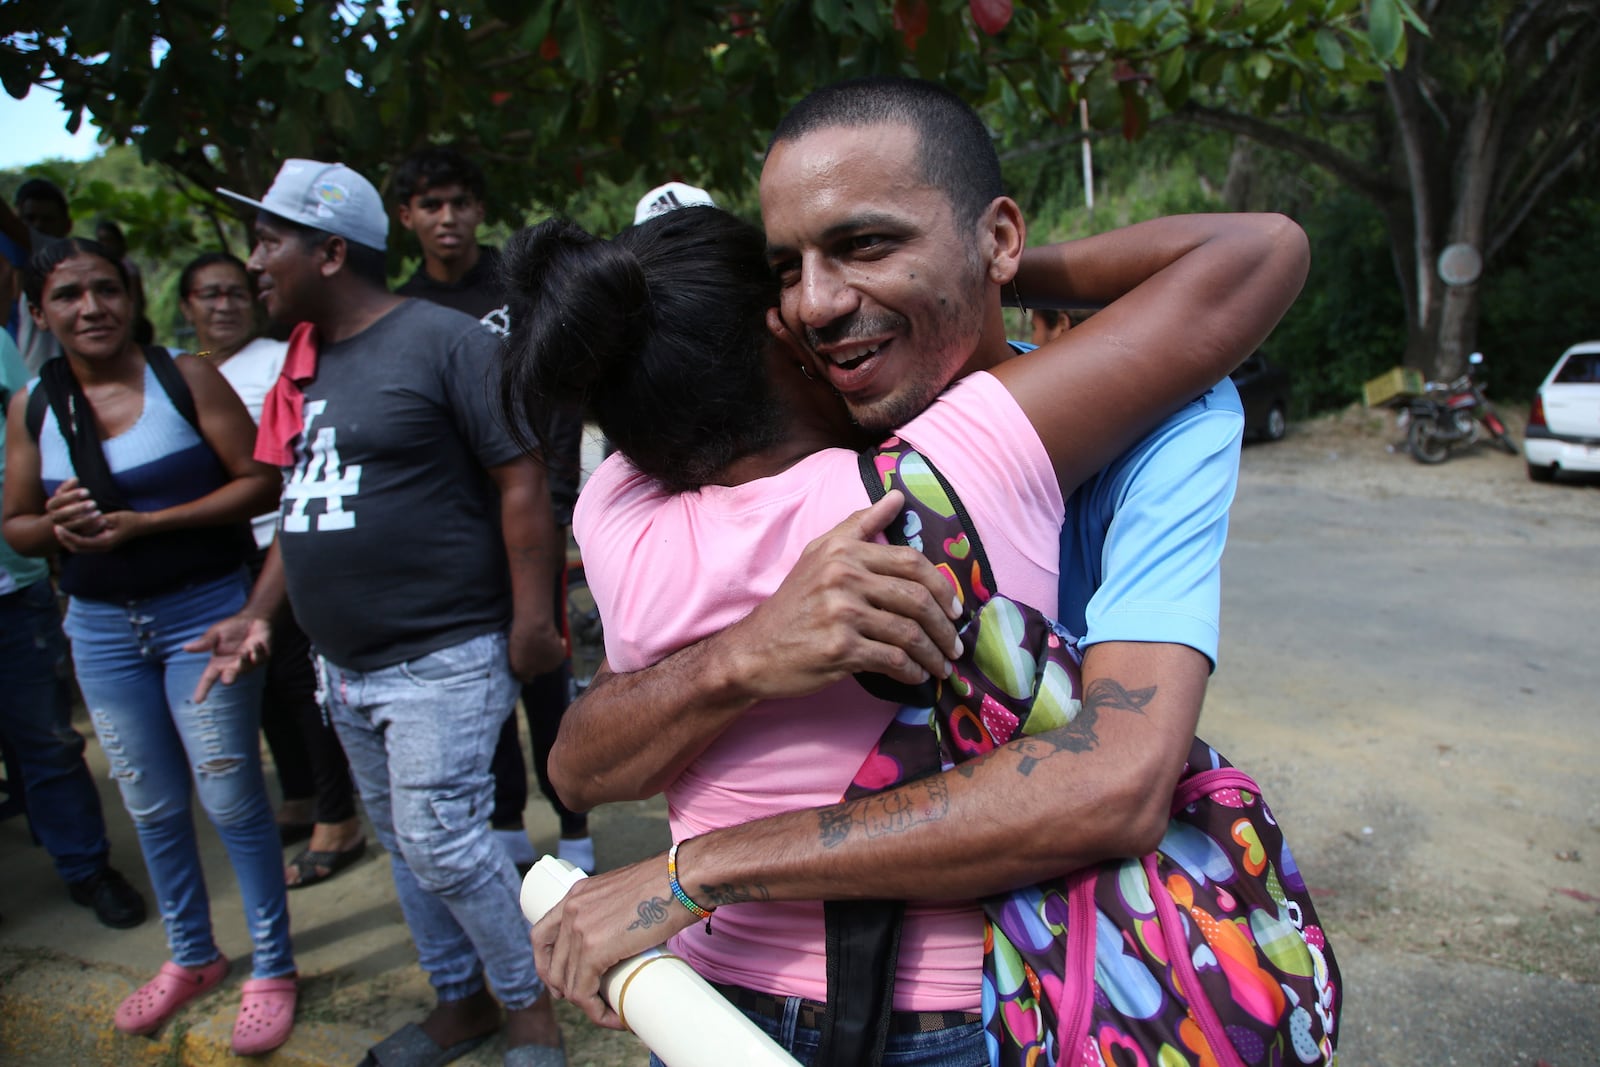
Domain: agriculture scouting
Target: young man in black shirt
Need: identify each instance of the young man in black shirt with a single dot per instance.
(440, 198)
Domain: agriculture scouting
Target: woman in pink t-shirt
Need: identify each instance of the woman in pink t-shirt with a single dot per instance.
(728, 468)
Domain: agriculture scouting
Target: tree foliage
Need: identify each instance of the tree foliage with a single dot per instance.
(549, 94)
(1497, 102)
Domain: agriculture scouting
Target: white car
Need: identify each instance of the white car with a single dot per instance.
(1564, 422)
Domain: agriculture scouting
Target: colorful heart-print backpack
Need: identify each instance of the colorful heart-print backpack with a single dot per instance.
(1206, 951)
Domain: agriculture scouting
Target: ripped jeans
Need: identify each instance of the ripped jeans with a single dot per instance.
(162, 747)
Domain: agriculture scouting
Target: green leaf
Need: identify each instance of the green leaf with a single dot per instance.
(326, 76)
(584, 48)
(1384, 28)
(1170, 70)
(1210, 70)
(1259, 11)
(1178, 94)
(252, 24)
(536, 26)
(18, 77)
(1173, 38)
(1329, 50)
(933, 49)
(1085, 35)
(830, 13)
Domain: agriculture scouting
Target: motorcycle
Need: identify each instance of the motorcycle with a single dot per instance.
(1450, 415)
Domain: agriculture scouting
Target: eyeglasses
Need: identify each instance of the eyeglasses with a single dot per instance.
(216, 294)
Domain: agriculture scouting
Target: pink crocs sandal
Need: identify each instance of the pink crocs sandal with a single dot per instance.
(266, 1015)
(159, 999)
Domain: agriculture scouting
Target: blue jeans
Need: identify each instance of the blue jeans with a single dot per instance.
(958, 1046)
(420, 736)
(162, 747)
(36, 719)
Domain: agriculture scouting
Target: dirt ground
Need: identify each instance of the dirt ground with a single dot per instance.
(1452, 809)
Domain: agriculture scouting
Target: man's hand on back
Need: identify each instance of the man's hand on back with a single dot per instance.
(850, 605)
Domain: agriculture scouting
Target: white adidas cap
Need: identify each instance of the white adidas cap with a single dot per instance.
(664, 198)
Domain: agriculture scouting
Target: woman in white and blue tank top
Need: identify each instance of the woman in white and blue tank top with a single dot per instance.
(143, 483)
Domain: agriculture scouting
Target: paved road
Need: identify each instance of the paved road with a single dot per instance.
(1416, 676)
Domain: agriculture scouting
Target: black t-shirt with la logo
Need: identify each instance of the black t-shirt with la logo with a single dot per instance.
(390, 522)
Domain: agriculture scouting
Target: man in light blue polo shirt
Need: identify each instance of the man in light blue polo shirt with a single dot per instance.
(36, 716)
(1141, 546)
(1142, 541)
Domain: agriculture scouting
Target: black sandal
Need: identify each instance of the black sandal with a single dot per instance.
(314, 867)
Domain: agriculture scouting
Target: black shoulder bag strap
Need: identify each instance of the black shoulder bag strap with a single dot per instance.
(863, 943)
(863, 936)
(59, 388)
(165, 368)
(75, 419)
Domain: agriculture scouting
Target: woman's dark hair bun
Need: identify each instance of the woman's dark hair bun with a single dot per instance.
(580, 299)
(659, 335)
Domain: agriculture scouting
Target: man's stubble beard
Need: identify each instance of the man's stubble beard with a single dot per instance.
(912, 396)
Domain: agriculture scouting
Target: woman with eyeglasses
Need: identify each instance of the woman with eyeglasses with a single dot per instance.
(216, 295)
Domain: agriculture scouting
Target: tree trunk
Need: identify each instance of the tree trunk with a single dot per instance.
(1452, 174)
(1238, 189)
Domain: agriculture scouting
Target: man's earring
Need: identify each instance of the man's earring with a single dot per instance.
(1018, 293)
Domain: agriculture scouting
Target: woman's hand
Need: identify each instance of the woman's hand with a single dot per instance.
(71, 508)
(115, 530)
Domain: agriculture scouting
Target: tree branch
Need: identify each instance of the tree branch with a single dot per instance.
(1547, 89)
(1535, 21)
(1360, 176)
(1576, 148)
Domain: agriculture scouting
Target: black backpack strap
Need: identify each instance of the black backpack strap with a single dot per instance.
(75, 420)
(863, 936)
(863, 944)
(165, 368)
(38, 400)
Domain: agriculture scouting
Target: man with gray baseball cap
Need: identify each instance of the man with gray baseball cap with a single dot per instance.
(325, 196)
(418, 547)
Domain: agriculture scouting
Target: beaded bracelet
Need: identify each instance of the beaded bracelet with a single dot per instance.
(677, 890)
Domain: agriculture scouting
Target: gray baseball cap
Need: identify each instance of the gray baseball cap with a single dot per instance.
(325, 196)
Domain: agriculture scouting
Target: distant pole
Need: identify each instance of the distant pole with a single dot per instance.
(1088, 159)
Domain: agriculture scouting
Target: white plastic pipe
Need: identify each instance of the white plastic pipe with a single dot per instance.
(660, 998)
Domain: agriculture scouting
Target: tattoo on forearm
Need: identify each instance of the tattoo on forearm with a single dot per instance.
(1103, 694)
(652, 913)
(896, 811)
(891, 812)
(728, 893)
